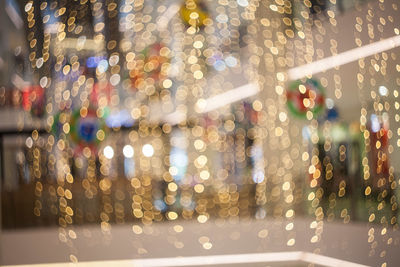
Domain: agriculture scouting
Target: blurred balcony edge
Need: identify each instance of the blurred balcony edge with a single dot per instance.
(159, 240)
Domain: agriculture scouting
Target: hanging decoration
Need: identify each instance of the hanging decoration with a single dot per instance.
(304, 97)
(194, 13)
(86, 129)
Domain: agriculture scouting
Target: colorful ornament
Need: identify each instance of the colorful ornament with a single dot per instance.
(305, 97)
(86, 129)
(194, 13)
(151, 63)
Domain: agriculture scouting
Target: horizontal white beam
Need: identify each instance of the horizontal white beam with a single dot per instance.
(226, 98)
(343, 58)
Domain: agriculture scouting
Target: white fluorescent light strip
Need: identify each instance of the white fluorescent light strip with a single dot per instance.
(343, 58)
(175, 117)
(227, 97)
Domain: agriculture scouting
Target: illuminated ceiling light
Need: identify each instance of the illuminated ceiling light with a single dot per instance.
(226, 98)
(148, 150)
(383, 91)
(108, 152)
(128, 151)
(343, 58)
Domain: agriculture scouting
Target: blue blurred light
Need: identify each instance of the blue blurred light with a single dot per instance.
(219, 65)
(93, 62)
(160, 205)
(129, 168)
(332, 114)
(306, 133)
(375, 125)
(179, 160)
(103, 65)
(119, 119)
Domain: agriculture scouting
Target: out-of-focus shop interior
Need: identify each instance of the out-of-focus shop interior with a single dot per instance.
(199, 132)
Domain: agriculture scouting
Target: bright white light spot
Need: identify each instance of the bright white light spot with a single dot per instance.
(28, 6)
(375, 125)
(148, 150)
(29, 142)
(108, 152)
(329, 103)
(231, 61)
(39, 62)
(258, 176)
(102, 66)
(383, 91)
(113, 60)
(128, 151)
(282, 116)
(243, 3)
